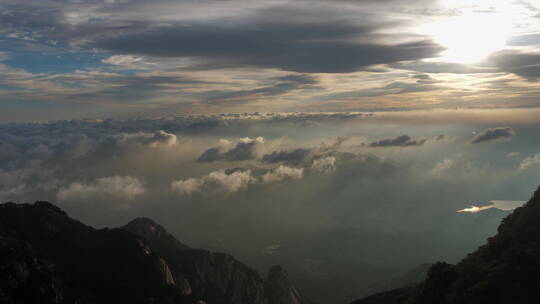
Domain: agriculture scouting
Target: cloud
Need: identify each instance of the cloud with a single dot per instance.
(396, 87)
(441, 137)
(400, 141)
(122, 187)
(475, 209)
(224, 142)
(210, 155)
(497, 204)
(159, 138)
(513, 155)
(305, 47)
(524, 64)
(292, 156)
(324, 165)
(494, 134)
(127, 61)
(188, 186)
(216, 181)
(444, 165)
(282, 85)
(442, 67)
(8, 151)
(282, 173)
(233, 180)
(529, 162)
(244, 150)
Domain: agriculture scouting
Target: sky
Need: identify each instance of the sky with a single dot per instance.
(348, 141)
(65, 59)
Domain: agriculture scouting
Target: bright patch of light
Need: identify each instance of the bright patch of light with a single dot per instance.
(471, 37)
(501, 205)
(471, 30)
(474, 209)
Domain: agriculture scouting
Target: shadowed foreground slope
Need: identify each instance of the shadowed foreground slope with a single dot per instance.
(505, 270)
(47, 257)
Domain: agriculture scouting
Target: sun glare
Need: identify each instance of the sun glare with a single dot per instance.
(472, 37)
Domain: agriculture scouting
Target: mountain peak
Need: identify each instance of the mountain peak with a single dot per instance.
(153, 233)
(145, 228)
(50, 206)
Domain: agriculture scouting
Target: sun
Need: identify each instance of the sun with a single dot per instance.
(471, 37)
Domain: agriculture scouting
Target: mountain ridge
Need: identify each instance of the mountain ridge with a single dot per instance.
(48, 257)
(504, 270)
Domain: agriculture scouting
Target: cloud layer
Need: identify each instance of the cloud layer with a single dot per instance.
(310, 182)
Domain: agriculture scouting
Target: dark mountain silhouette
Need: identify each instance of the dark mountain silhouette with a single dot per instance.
(505, 270)
(47, 257)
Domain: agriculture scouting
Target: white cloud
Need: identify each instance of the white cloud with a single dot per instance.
(282, 173)
(188, 186)
(529, 162)
(475, 209)
(225, 142)
(157, 139)
(497, 204)
(324, 165)
(513, 154)
(123, 187)
(122, 60)
(247, 140)
(231, 182)
(444, 165)
(220, 181)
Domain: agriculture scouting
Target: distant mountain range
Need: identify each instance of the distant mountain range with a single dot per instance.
(48, 257)
(505, 270)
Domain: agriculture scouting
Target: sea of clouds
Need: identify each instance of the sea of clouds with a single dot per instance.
(321, 190)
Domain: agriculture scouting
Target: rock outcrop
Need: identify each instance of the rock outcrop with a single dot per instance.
(205, 276)
(279, 288)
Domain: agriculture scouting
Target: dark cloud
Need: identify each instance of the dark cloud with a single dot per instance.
(421, 76)
(525, 40)
(526, 65)
(400, 141)
(441, 137)
(210, 155)
(499, 133)
(293, 156)
(244, 150)
(308, 48)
